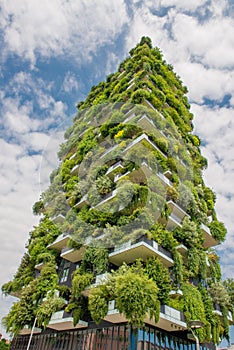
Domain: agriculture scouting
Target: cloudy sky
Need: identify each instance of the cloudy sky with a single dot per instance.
(52, 52)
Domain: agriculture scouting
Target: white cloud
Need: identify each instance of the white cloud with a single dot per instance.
(60, 27)
(23, 98)
(49, 159)
(144, 23)
(19, 189)
(35, 141)
(70, 83)
(27, 111)
(205, 82)
(16, 117)
(20, 176)
(201, 39)
(216, 127)
(184, 5)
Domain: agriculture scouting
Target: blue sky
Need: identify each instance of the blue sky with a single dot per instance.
(52, 52)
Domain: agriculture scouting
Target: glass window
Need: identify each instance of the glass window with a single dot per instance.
(65, 275)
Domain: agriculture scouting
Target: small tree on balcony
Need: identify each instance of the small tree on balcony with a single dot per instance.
(135, 295)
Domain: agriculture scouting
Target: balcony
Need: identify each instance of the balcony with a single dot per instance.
(170, 319)
(137, 175)
(75, 170)
(130, 86)
(172, 222)
(143, 249)
(120, 176)
(148, 125)
(164, 180)
(176, 216)
(60, 242)
(61, 320)
(230, 317)
(176, 293)
(209, 240)
(122, 73)
(182, 249)
(145, 141)
(110, 149)
(107, 198)
(73, 254)
(168, 174)
(115, 168)
(39, 266)
(113, 314)
(148, 104)
(217, 311)
(72, 156)
(82, 202)
(15, 294)
(130, 115)
(26, 330)
(58, 219)
(100, 279)
(177, 210)
(142, 173)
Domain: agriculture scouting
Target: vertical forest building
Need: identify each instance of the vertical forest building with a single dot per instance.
(124, 254)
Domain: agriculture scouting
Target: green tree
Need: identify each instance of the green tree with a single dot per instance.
(38, 208)
(229, 286)
(47, 308)
(95, 260)
(218, 230)
(98, 303)
(4, 345)
(136, 295)
(220, 294)
(193, 308)
(159, 274)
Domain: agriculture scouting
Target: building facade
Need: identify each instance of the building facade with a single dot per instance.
(123, 257)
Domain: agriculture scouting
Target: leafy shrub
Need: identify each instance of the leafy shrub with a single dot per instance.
(218, 230)
(135, 296)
